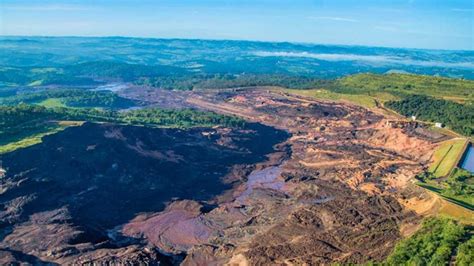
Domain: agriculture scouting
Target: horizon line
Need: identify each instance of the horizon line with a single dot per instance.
(236, 40)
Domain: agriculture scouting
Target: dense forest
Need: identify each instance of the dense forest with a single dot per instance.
(165, 77)
(20, 118)
(124, 71)
(24, 125)
(458, 117)
(27, 76)
(88, 73)
(17, 122)
(72, 98)
(218, 81)
(434, 244)
(16, 116)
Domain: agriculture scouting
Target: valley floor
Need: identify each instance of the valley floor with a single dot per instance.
(339, 188)
(346, 163)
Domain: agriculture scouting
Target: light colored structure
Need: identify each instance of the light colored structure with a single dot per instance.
(413, 117)
(440, 125)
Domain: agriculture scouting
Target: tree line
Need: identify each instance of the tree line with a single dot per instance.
(435, 244)
(16, 117)
(72, 97)
(458, 117)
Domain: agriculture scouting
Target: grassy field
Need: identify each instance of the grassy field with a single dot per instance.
(454, 211)
(52, 102)
(29, 140)
(446, 156)
(35, 138)
(362, 100)
(458, 90)
(461, 200)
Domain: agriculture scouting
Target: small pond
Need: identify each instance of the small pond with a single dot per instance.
(468, 160)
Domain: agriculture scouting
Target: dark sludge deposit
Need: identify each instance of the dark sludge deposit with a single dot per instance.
(104, 175)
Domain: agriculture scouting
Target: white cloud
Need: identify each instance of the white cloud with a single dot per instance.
(343, 19)
(325, 57)
(371, 59)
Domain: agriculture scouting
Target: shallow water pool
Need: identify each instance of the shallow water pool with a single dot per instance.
(468, 160)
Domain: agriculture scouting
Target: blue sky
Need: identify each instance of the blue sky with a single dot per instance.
(434, 24)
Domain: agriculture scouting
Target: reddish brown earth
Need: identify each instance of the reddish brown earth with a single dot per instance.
(342, 196)
(338, 190)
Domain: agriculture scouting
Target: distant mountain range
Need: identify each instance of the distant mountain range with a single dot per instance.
(233, 57)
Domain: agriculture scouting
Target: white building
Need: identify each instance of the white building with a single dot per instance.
(440, 125)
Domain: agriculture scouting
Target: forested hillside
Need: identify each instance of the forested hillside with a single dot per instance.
(25, 121)
(459, 117)
(436, 243)
(71, 97)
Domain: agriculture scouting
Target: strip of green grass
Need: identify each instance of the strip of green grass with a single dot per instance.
(458, 90)
(361, 100)
(446, 156)
(463, 201)
(29, 140)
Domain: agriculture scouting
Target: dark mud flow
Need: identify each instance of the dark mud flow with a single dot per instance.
(104, 175)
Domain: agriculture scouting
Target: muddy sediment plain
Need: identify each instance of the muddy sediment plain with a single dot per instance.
(345, 194)
(90, 179)
(308, 182)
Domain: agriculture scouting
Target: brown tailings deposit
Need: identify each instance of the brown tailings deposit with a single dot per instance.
(338, 188)
(344, 195)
